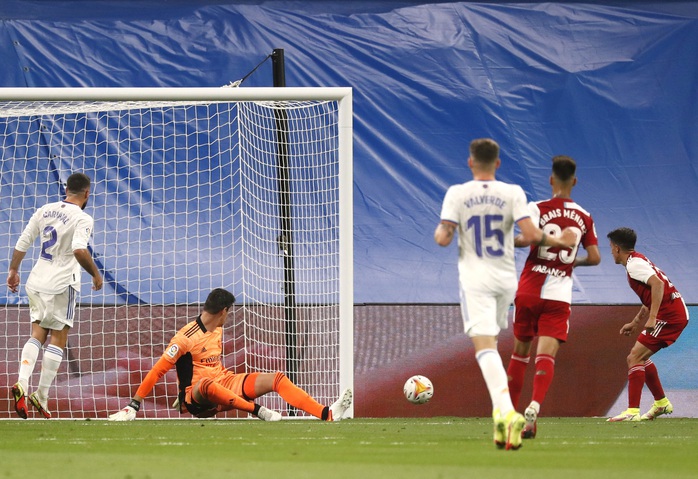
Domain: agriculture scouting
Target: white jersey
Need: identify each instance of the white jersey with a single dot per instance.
(63, 228)
(485, 212)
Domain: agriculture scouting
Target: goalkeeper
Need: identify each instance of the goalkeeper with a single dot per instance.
(207, 388)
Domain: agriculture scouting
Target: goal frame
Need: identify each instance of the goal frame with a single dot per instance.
(343, 97)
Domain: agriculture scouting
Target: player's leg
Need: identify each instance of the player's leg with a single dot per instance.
(28, 359)
(639, 354)
(50, 363)
(661, 403)
(516, 371)
(486, 316)
(30, 353)
(258, 384)
(58, 317)
(207, 393)
(524, 332)
(664, 335)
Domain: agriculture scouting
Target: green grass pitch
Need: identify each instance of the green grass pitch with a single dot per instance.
(440, 447)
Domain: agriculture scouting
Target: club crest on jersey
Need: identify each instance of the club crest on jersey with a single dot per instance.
(172, 351)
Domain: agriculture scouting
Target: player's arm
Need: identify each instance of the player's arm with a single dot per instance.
(657, 287)
(84, 257)
(24, 242)
(531, 234)
(629, 328)
(13, 272)
(128, 413)
(81, 236)
(592, 258)
(443, 235)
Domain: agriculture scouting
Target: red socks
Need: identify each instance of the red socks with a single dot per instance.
(545, 370)
(515, 376)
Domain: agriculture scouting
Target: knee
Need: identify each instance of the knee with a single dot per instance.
(278, 378)
(199, 392)
(633, 359)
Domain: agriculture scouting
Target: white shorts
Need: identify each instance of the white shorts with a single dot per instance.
(52, 311)
(485, 314)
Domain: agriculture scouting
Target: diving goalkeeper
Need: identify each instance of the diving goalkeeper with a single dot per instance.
(207, 388)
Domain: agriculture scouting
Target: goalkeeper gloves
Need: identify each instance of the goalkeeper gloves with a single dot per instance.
(128, 413)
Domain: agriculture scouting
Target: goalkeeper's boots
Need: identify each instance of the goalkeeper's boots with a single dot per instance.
(20, 400)
(531, 427)
(515, 423)
(500, 430)
(43, 410)
(340, 406)
(266, 414)
(660, 407)
(630, 414)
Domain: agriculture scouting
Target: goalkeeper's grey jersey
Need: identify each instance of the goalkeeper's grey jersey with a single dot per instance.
(63, 228)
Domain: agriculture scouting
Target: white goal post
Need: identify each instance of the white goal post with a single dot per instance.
(249, 189)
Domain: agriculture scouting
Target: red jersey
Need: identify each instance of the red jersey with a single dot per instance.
(640, 270)
(548, 271)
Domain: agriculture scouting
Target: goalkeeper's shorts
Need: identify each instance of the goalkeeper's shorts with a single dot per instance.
(199, 410)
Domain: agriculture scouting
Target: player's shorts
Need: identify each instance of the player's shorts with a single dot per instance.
(485, 314)
(52, 311)
(666, 332)
(535, 317)
(229, 380)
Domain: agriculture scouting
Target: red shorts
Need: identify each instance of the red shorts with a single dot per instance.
(663, 335)
(672, 320)
(534, 316)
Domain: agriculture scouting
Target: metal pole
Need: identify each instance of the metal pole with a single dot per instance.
(285, 239)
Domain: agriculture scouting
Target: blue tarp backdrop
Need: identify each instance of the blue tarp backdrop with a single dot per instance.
(612, 85)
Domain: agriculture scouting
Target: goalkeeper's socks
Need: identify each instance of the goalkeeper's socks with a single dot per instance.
(53, 355)
(30, 353)
(298, 398)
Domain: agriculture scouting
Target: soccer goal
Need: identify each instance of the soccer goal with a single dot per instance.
(249, 189)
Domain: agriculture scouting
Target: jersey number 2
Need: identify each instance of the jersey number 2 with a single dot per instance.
(50, 237)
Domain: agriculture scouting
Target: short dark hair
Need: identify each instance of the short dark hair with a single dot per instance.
(218, 300)
(564, 167)
(77, 183)
(484, 150)
(623, 237)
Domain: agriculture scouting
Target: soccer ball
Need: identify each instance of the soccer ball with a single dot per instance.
(418, 389)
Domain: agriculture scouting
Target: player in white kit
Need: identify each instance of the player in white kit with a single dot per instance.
(53, 285)
(484, 212)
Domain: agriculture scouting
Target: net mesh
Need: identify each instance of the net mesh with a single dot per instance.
(186, 197)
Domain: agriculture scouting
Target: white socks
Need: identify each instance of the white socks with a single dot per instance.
(496, 379)
(53, 355)
(30, 353)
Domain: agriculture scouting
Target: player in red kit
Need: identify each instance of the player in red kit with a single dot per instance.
(664, 315)
(544, 294)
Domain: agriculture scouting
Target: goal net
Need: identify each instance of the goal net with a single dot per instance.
(248, 189)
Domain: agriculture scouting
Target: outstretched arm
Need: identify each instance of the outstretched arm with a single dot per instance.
(128, 413)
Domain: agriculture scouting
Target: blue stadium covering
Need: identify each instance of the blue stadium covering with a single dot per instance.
(611, 84)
